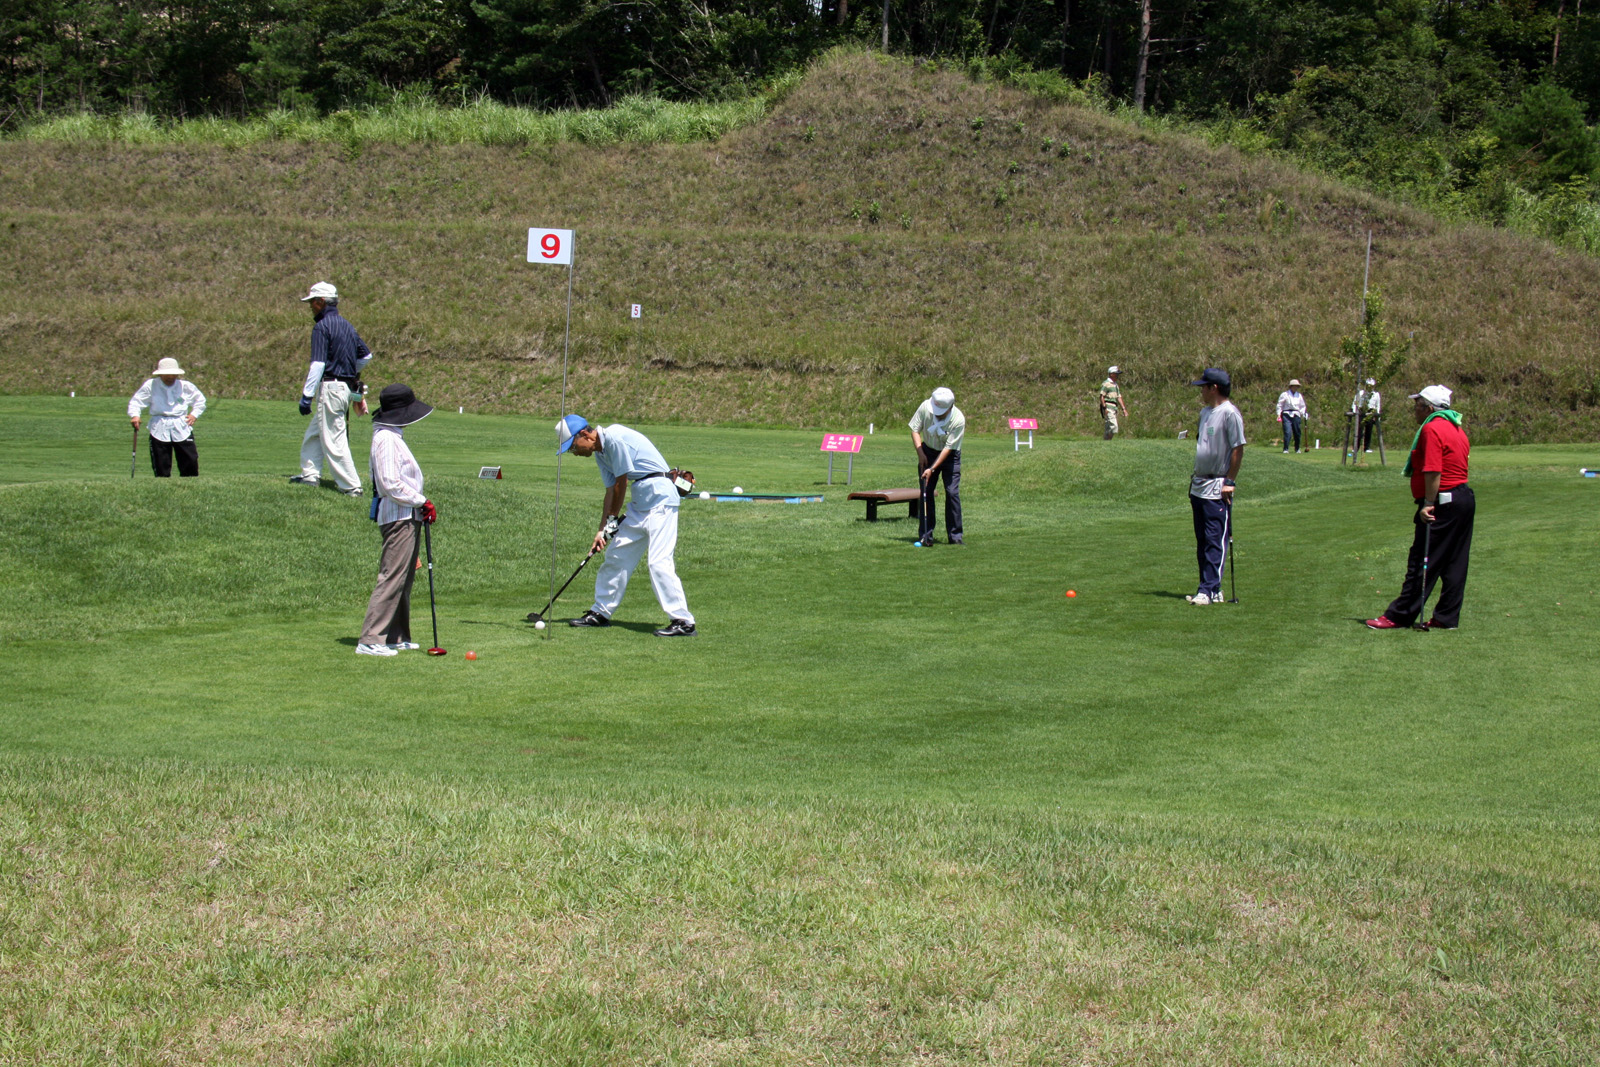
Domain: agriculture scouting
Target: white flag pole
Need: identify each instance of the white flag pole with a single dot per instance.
(557, 246)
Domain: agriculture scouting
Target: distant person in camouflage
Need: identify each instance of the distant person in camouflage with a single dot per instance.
(1111, 401)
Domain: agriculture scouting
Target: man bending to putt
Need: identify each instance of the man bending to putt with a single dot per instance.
(649, 528)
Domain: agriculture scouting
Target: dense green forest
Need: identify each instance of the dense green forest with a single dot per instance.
(1473, 109)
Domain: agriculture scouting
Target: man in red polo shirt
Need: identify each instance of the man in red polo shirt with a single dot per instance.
(1443, 523)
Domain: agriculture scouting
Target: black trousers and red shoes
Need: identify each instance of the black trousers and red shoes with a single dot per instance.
(1449, 543)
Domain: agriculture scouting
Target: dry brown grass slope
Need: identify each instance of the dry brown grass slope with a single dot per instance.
(888, 227)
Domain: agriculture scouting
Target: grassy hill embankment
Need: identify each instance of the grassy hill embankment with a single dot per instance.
(887, 227)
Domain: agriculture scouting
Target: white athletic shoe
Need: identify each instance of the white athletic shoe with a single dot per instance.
(1199, 598)
(375, 650)
(404, 646)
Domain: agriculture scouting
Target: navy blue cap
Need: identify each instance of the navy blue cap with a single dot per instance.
(1214, 376)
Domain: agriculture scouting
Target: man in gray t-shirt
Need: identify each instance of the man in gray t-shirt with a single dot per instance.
(1218, 449)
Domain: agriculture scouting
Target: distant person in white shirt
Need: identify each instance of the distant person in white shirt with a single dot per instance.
(399, 508)
(1368, 409)
(936, 431)
(175, 403)
(648, 529)
(1292, 413)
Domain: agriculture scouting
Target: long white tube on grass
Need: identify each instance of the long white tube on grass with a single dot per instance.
(566, 350)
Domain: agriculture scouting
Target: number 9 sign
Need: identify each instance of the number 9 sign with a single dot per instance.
(550, 246)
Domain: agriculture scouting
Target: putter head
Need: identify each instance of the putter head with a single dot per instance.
(436, 651)
(533, 616)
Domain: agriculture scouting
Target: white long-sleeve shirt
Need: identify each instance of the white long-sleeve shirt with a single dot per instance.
(314, 375)
(168, 405)
(1292, 403)
(395, 475)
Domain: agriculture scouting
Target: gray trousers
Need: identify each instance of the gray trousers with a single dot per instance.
(389, 610)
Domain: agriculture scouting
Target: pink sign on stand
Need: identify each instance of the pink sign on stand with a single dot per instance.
(849, 443)
(1016, 426)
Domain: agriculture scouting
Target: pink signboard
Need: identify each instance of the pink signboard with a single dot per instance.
(841, 442)
(1022, 424)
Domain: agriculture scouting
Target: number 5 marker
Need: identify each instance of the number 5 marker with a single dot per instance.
(550, 246)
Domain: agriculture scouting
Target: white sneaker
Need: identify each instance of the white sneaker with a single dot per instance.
(375, 650)
(1199, 598)
(404, 646)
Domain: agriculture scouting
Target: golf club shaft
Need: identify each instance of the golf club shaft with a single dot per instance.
(564, 585)
(1233, 582)
(1422, 581)
(427, 539)
(133, 464)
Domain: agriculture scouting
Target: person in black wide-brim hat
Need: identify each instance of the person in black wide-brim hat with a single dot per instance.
(399, 508)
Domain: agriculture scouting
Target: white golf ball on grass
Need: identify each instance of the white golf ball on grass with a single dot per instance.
(738, 489)
(539, 625)
(705, 496)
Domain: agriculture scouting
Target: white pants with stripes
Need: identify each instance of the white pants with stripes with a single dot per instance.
(650, 534)
(328, 438)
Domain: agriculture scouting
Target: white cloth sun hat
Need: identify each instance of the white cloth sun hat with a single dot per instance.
(1113, 370)
(1294, 381)
(325, 290)
(1435, 395)
(942, 400)
(167, 365)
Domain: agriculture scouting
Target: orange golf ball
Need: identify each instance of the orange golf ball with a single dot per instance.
(1072, 592)
(472, 655)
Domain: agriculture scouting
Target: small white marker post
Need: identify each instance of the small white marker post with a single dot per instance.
(556, 247)
(847, 443)
(1016, 426)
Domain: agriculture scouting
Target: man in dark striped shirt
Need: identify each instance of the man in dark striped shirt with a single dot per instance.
(337, 356)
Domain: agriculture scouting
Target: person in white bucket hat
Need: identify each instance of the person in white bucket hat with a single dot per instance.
(175, 403)
(936, 432)
(1110, 400)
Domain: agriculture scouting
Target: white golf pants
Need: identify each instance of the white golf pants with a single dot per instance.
(328, 437)
(654, 535)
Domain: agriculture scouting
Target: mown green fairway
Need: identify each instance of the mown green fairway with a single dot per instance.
(891, 805)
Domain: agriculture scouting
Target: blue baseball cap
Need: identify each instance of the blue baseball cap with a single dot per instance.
(1214, 376)
(567, 429)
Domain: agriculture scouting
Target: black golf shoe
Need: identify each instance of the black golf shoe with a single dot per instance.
(590, 618)
(676, 628)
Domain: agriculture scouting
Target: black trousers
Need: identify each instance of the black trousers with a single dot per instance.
(1448, 543)
(1368, 423)
(161, 453)
(950, 471)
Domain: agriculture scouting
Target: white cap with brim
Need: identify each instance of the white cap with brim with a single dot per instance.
(1434, 396)
(322, 290)
(167, 365)
(1294, 381)
(567, 429)
(1113, 370)
(942, 401)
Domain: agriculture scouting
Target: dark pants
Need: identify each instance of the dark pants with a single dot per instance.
(1365, 432)
(950, 471)
(1449, 543)
(1291, 424)
(1211, 520)
(161, 453)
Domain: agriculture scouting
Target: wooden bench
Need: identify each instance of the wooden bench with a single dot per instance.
(874, 497)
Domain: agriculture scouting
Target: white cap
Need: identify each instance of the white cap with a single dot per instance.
(1372, 381)
(942, 400)
(167, 365)
(325, 290)
(1112, 370)
(1294, 381)
(1435, 395)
